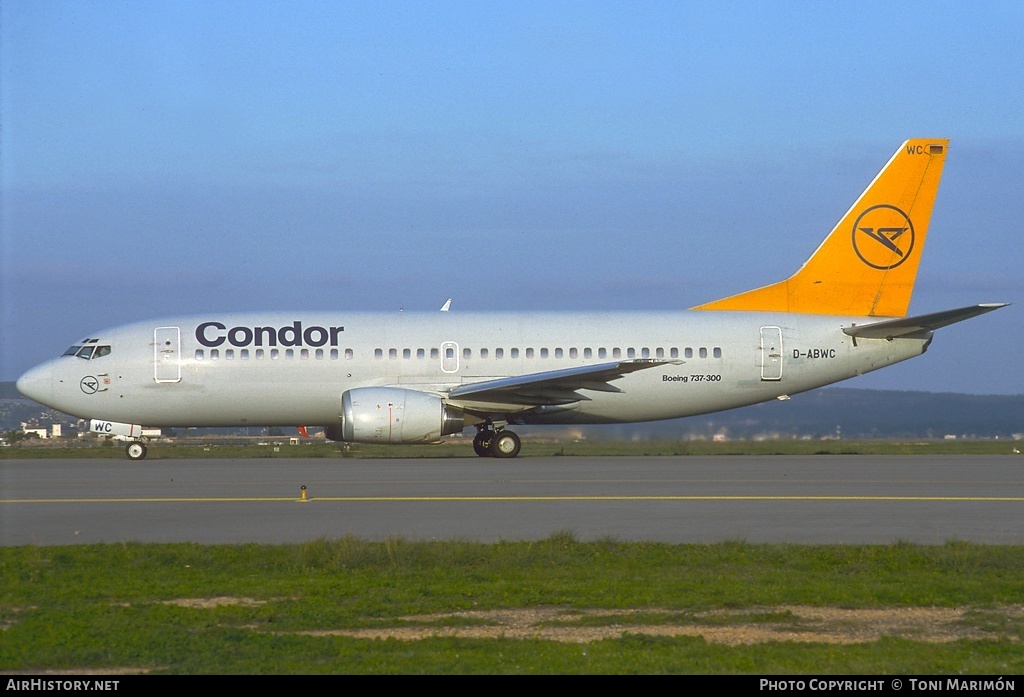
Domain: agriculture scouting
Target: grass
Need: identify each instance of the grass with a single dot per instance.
(117, 607)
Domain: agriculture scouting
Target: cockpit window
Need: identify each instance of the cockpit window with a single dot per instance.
(88, 352)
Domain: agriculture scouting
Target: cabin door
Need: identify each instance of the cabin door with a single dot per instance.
(167, 354)
(771, 353)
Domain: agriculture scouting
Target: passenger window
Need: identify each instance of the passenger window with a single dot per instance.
(483, 353)
(602, 353)
(588, 353)
(392, 353)
(689, 353)
(378, 353)
(406, 353)
(434, 353)
(631, 353)
(274, 354)
(515, 353)
(304, 354)
(214, 354)
(558, 352)
(616, 353)
(348, 354)
(659, 353)
(467, 353)
(319, 354)
(718, 352)
(543, 353)
(289, 353)
(529, 353)
(674, 353)
(244, 354)
(334, 354)
(229, 354)
(703, 352)
(259, 354)
(421, 353)
(499, 353)
(573, 353)
(199, 354)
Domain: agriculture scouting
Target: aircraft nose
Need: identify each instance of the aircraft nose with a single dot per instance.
(37, 384)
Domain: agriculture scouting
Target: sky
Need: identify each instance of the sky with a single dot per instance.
(167, 158)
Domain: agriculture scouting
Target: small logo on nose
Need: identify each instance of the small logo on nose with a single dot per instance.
(89, 384)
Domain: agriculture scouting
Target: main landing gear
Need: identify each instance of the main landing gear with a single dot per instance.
(496, 442)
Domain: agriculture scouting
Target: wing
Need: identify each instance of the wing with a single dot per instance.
(554, 387)
(905, 326)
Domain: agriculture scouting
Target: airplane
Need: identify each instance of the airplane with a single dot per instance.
(416, 377)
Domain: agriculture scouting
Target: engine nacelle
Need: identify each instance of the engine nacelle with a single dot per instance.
(394, 415)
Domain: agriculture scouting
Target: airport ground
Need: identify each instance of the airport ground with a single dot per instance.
(774, 498)
(834, 563)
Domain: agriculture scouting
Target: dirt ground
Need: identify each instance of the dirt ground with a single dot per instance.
(804, 624)
(732, 627)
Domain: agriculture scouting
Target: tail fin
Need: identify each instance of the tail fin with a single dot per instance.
(868, 263)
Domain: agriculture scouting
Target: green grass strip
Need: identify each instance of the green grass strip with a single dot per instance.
(299, 609)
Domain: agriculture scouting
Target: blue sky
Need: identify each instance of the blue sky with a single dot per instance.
(190, 157)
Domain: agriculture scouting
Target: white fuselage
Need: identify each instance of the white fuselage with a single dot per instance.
(292, 368)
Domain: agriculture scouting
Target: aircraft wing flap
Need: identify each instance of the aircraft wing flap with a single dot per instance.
(518, 402)
(598, 387)
(905, 326)
(554, 387)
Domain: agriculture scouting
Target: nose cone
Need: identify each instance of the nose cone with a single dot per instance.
(37, 384)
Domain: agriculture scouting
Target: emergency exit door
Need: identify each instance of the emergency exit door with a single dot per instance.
(450, 357)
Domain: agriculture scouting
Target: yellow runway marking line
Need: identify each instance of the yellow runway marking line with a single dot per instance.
(454, 499)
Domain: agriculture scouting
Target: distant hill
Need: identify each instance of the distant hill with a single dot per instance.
(828, 412)
(853, 413)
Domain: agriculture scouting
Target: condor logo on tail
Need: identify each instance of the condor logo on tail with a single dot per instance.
(883, 237)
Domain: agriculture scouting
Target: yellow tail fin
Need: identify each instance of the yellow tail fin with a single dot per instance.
(868, 263)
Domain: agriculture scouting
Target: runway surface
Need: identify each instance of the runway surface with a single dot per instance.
(805, 499)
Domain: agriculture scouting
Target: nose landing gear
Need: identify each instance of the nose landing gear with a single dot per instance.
(135, 450)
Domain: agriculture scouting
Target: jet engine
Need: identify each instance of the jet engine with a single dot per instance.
(394, 415)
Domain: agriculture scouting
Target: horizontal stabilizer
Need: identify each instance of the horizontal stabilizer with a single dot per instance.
(905, 326)
(551, 387)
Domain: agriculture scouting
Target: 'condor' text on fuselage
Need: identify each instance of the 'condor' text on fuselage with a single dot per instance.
(213, 334)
